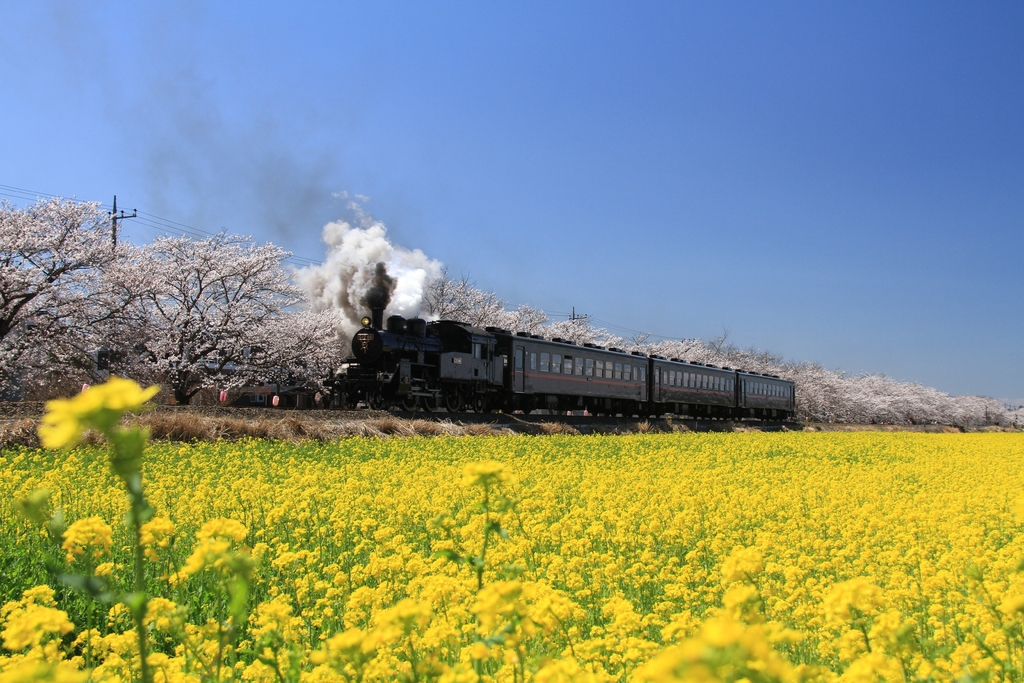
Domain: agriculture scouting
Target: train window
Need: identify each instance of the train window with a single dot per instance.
(618, 371)
(626, 372)
(590, 367)
(556, 362)
(476, 350)
(533, 361)
(608, 369)
(643, 374)
(704, 381)
(519, 358)
(599, 365)
(657, 375)
(545, 360)
(567, 365)
(579, 367)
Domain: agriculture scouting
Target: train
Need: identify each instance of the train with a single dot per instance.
(411, 364)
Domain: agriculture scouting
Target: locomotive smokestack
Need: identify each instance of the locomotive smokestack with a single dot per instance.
(379, 295)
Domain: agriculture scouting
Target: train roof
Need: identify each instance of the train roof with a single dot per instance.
(478, 331)
(565, 342)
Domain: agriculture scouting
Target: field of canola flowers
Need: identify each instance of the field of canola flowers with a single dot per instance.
(732, 557)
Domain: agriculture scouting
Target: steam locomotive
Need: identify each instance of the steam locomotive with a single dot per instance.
(412, 364)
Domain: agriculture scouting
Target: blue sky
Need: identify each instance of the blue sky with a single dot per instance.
(833, 182)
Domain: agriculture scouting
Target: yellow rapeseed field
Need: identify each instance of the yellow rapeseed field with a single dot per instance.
(739, 557)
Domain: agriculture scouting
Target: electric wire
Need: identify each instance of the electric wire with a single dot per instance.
(168, 226)
(145, 219)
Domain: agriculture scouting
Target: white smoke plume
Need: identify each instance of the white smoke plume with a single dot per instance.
(342, 282)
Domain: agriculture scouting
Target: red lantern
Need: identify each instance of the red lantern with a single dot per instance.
(84, 387)
(275, 400)
(223, 396)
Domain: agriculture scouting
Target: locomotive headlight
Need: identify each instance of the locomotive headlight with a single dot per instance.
(366, 321)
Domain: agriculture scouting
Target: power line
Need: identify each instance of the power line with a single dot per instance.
(151, 221)
(168, 226)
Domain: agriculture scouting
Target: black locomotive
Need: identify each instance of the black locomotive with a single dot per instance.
(414, 364)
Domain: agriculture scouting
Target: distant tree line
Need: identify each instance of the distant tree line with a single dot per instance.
(823, 395)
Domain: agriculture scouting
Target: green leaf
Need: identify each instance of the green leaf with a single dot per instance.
(238, 590)
(451, 556)
(126, 459)
(93, 586)
(33, 508)
(56, 526)
(136, 602)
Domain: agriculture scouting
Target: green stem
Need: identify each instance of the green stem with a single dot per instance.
(140, 590)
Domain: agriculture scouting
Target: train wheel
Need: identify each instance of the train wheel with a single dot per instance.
(452, 402)
(410, 403)
(479, 404)
(429, 403)
(375, 400)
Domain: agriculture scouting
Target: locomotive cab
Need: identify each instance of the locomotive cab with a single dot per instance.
(470, 371)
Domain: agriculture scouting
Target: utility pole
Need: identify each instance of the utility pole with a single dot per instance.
(114, 218)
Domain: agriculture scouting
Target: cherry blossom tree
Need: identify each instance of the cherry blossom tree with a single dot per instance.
(53, 255)
(209, 308)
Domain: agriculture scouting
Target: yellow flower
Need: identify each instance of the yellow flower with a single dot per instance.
(85, 534)
(214, 542)
(485, 473)
(99, 406)
(32, 671)
(1012, 604)
(162, 613)
(156, 533)
(742, 565)
(29, 621)
(853, 597)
